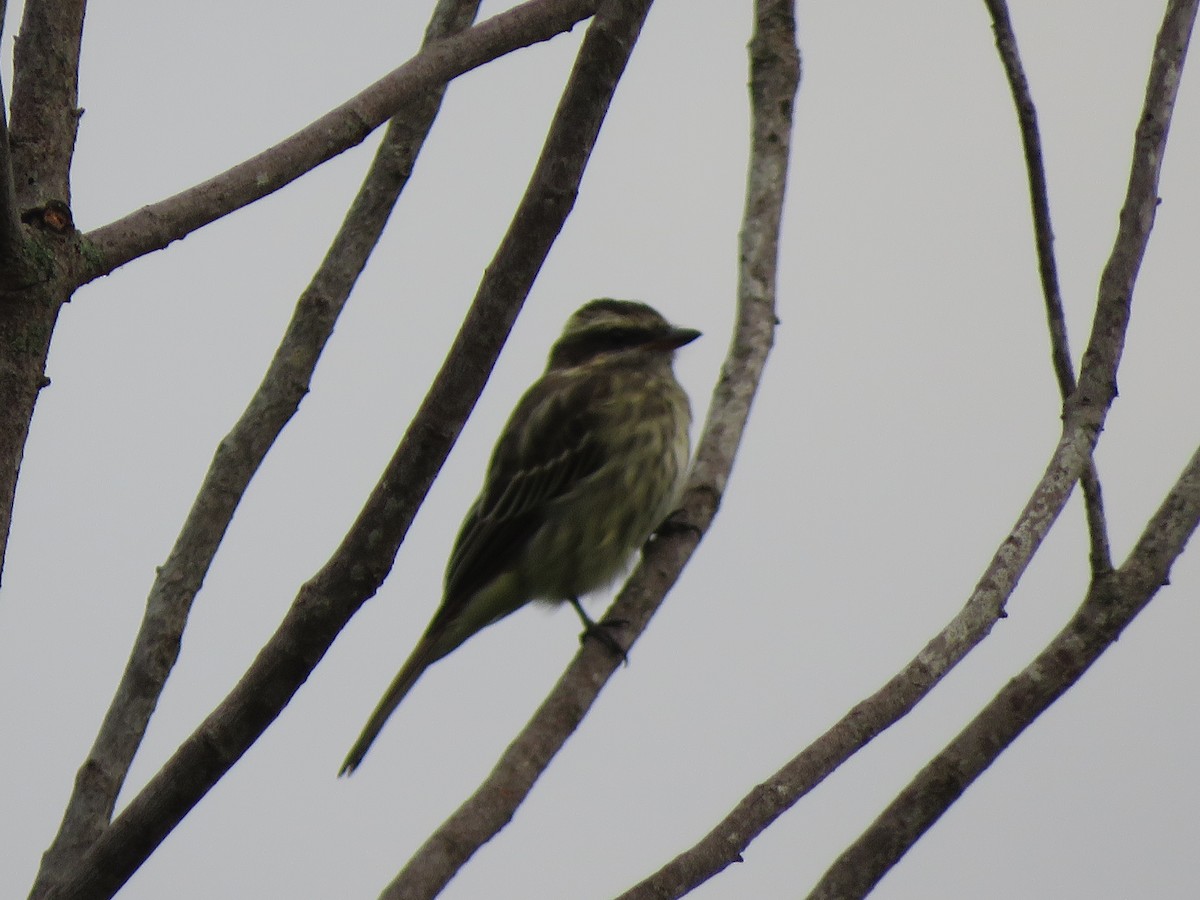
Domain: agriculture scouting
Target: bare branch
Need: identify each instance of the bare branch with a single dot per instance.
(45, 113)
(1006, 46)
(1060, 350)
(775, 74)
(27, 319)
(1113, 601)
(237, 459)
(1097, 380)
(1100, 554)
(38, 143)
(358, 567)
(154, 227)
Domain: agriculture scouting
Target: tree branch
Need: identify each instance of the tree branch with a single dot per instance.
(724, 845)
(1097, 380)
(45, 113)
(34, 176)
(11, 239)
(1039, 201)
(154, 227)
(775, 74)
(1085, 413)
(235, 463)
(358, 567)
(1113, 600)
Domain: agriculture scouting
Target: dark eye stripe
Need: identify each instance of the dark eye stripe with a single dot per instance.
(618, 336)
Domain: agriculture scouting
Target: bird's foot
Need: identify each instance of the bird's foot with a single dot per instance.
(678, 523)
(601, 631)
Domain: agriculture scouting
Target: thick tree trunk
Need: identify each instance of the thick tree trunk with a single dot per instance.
(27, 320)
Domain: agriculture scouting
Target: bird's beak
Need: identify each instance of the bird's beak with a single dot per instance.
(677, 337)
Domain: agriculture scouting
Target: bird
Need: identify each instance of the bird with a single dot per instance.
(591, 461)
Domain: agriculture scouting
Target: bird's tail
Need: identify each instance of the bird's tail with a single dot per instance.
(422, 657)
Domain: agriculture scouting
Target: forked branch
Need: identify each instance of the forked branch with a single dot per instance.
(1056, 320)
(1114, 598)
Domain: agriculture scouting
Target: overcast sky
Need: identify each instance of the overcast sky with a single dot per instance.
(907, 411)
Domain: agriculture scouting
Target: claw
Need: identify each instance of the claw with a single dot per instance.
(677, 523)
(601, 631)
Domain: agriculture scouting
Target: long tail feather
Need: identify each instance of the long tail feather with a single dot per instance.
(422, 657)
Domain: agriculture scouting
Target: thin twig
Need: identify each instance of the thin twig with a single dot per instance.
(1113, 600)
(235, 463)
(154, 227)
(1056, 320)
(1006, 46)
(358, 567)
(775, 75)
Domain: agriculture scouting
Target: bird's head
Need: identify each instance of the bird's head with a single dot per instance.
(608, 326)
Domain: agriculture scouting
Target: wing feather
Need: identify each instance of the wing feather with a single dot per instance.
(549, 447)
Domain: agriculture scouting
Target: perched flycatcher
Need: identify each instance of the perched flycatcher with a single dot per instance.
(590, 462)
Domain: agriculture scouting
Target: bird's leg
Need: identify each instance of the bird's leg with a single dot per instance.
(600, 631)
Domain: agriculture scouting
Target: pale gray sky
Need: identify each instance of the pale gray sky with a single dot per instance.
(907, 410)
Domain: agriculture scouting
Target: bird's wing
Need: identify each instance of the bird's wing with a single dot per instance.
(549, 446)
